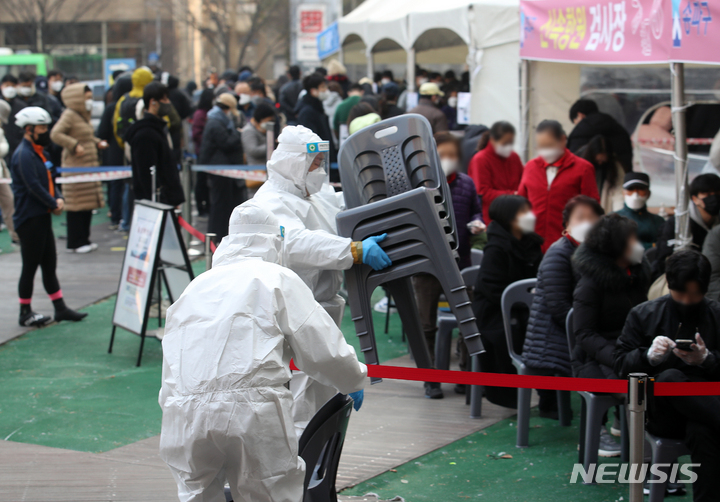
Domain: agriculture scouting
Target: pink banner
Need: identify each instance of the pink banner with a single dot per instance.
(695, 30)
(596, 32)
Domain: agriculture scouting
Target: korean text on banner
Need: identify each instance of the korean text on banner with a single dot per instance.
(595, 32)
(695, 30)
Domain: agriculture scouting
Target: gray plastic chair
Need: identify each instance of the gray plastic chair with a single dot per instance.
(594, 406)
(523, 292)
(446, 323)
(392, 183)
(664, 451)
(476, 256)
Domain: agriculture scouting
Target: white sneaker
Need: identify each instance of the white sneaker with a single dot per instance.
(87, 248)
(382, 305)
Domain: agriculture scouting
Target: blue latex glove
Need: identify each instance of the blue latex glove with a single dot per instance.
(358, 398)
(373, 254)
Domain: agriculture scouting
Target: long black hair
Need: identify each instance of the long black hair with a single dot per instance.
(610, 235)
(496, 132)
(599, 145)
(505, 208)
(206, 100)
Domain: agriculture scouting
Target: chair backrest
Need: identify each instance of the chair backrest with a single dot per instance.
(320, 447)
(476, 256)
(570, 333)
(517, 292)
(470, 275)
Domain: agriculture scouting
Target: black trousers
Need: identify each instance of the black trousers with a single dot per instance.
(225, 195)
(37, 249)
(78, 228)
(696, 419)
(202, 198)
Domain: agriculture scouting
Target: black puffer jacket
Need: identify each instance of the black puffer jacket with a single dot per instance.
(546, 345)
(221, 142)
(660, 318)
(603, 297)
(605, 125)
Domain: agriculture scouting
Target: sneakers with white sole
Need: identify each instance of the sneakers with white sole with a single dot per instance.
(87, 248)
(608, 446)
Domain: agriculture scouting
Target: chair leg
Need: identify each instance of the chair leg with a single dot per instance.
(564, 411)
(387, 312)
(523, 425)
(659, 456)
(593, 422)
(443, 345)
(475, 392)
(624, 435)
(583, 426)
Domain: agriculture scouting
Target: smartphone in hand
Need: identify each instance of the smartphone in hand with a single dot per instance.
(684, 344)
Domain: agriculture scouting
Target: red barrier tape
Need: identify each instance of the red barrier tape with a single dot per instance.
(195, 232)
(534, 382)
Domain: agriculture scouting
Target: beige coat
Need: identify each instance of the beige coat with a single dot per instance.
(71, 129)
(613, 199)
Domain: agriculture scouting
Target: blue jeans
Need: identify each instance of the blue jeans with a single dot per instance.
(128, 201)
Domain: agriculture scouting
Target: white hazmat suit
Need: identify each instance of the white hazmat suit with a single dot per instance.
(313, 249)
(226, 352)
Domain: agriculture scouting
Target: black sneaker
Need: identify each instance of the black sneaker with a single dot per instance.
(34, 320)
(433, 390)
(608, 446)
(460, 388)
(551, 414)
(676, 489)
(615, 429)
(68, 314)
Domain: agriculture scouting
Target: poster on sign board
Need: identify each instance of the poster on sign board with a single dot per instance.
(310, 23)
(463, 107)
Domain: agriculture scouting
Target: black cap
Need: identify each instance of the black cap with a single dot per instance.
(636, 180)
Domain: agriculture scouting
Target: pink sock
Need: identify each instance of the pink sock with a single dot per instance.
(25, 301)
(55, 296)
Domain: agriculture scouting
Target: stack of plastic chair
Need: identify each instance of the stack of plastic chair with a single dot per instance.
(523, 292)
(665, 452)
(476, 256)
(392, 183)
(594, 406)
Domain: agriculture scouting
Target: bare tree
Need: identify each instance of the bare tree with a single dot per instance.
(37, 15)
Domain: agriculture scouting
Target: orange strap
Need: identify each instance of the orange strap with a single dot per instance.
(40, 150)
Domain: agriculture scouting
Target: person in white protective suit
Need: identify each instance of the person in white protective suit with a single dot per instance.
(228, 343)
(298, 193)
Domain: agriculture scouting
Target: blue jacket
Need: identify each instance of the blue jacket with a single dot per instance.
(466, 206)
(30, 184)
(546, 344)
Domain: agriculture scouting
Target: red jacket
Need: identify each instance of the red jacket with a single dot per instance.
(494, 176)
(575, 176)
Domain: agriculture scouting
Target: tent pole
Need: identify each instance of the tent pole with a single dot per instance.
(682, 218)
(524, 109)
(410, 72)
(369, 57)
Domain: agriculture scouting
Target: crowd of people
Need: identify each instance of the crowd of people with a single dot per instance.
(575, 217)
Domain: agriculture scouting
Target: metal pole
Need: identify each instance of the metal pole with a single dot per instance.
(103, 45)
(476, 392)
(637, 401)
(270, 143)
(208, 252)
(369, 57)
(153, 185)
(187, 206)
(524, 109)
(683, 238)
(410, 71)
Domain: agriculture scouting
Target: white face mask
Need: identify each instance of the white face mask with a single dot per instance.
(268, 126)
(315, 180)
(9, 92)
(580, 231)
(452, 101)
(526, 222)
(26, 91)
(89, 104)
(635, 201)
(244, 99)
(57, 85)
(385, 81)
(421, 81)
(504, 150)
(550, 155)
(323, 95)
(636, 253)
(448, 166)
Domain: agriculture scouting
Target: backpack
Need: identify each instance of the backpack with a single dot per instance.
(126, 116)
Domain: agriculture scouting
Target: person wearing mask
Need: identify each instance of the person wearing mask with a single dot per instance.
(608, 172)
(468, 220)
(245, 102)
(342, 111)
(613, 280)
(74, 133)
(386, 77)
(126, 107)
(421, 77)
(254, 134)
(589, 122)
(649, 344)
(222, 146)
(55, 85)
(333, 101)
(361, 115)
(311, 113)
(429, 106)
(114, 155)
(496, 169)
(297, 193)
(388, 100)
(227, 413)
(288, 95)
(513, 252)
(336, 72)
(227, 81)
(199, 120)
(36, 197)
(550, 180)
(7, 203)
(21, 95)
(449, 108)
(636, 192)
(178, 98)
(546, 347)
(703, 209)
(149, 146)
(258, 93)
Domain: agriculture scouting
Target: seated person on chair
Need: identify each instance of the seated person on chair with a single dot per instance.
(613, 280)
(468, 219)
(636, 190)
(513, 253)
(227, 413)
(650, 343)
(546, 347)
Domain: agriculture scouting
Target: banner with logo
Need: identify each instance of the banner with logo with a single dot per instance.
(695, 31)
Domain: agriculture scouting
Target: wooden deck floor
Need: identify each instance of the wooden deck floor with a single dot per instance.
(395, 425)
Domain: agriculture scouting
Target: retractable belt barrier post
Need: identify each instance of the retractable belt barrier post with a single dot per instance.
(637, 404)
(208, 251)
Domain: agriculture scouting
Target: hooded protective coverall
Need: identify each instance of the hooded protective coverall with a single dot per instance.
(313, 249)
(226, 353)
